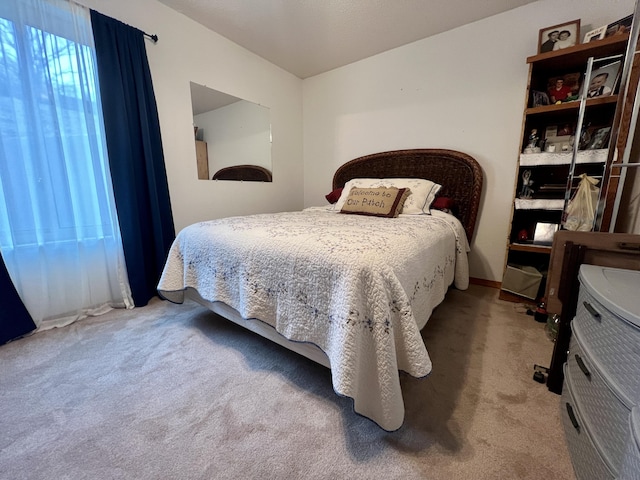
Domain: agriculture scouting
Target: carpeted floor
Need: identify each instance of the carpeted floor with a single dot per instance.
(175, 392)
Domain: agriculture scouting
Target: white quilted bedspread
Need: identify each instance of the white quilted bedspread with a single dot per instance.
(358, 287)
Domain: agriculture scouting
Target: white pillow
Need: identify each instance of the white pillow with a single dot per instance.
(423, 192)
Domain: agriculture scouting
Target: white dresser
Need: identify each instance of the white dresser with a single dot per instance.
(602, 376)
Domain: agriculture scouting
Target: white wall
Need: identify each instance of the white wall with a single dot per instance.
(463, 89)
(186, 52)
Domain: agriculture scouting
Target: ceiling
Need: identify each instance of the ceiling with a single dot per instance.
(308, 37)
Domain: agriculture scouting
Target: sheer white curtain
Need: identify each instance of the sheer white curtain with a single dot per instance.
(59, 232)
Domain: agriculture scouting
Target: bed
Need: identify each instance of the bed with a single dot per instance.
(351, 292)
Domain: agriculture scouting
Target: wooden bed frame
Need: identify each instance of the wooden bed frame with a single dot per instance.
(460, 176)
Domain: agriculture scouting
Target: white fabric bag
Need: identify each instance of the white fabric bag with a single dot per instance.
(581, 209)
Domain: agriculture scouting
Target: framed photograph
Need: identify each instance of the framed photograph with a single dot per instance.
(604, 80)
(596, 34)
(539, 99)
(559, 36)
(599, 138)
(621, 26)
(565, 88)
(544, 232)
(559, 137)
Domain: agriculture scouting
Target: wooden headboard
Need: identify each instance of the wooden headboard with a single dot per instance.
(459, 174)
(247, 173)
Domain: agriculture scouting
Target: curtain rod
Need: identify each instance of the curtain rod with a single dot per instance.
(154, 38)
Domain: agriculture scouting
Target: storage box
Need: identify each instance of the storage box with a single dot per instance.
(522, 280)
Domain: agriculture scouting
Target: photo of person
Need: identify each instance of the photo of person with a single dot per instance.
(564, 40)
(566, 129)
(598, 86)
(559, 91)
(620, 27)
(564, 89)
(603, 80)
(559, 36)
(551, 41)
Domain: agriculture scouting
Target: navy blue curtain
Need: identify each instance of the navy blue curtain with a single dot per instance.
(15, 321)
(136, 158)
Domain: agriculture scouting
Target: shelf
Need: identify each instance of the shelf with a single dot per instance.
(550, 178)
(538, 204)
(577, 56)
(530, 247)
(563, 158)
(568, 106)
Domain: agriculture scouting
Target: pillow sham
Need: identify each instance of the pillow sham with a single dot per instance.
(334, 196)
(419, 201)
(379, 202)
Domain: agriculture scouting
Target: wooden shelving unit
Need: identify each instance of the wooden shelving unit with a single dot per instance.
(553, 176)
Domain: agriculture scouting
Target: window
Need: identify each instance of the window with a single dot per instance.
(59, 232)
(52, 155)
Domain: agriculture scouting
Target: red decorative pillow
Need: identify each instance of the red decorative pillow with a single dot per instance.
(333, 196)
(443, 203)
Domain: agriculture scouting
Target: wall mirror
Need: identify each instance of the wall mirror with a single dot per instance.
(232, 135)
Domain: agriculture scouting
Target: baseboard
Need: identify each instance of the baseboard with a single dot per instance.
(485, 283)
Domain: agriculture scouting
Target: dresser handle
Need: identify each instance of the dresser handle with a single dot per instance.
(582, 366)
(594, 313)
(572, 417)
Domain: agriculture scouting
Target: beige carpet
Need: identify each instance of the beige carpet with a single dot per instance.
(175, 392)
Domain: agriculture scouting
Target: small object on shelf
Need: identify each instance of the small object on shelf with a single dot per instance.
(544, 232)
(523, 235)
(532, 146)
(526, 191)
(599, 139)
(539, 99)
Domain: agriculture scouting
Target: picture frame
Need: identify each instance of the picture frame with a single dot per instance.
(595, 34)
(619, 27)
(550, 38)
(599, 138)
(604, 80)
(544, 232)
(567, 91)
(539, 99)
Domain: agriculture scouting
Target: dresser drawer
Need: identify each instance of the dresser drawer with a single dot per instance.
(612, 343)
(601, 408)
(630, 469)
(587, 462)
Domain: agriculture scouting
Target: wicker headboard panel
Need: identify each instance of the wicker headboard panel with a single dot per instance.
(247, 173)
(459, 174)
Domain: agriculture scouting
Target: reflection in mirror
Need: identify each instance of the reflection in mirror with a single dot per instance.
(233, 136)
